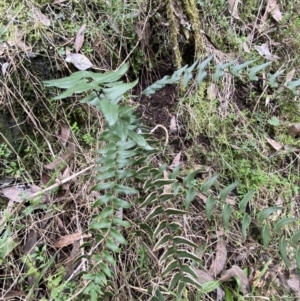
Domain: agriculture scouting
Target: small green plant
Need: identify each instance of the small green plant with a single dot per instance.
(40, 254)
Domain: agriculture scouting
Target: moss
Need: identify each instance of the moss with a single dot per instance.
(193, 15)
(173, 35)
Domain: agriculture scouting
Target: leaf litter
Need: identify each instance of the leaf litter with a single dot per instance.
(219, 261)
(69, 239)
(79, 40)
(236, 271)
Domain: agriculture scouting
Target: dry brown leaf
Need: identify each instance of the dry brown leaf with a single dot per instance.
(4, 68)
(264, 51)
(16, 194)
(79, 40)
(289, 76)
(274, 10)
(70, 264)
(294, 283)
(173, 125)
(40, 17)
(294, 130)
(244, 255)
(245, 47)
(220, 259)
(64, 133)
(233, 8)
(277, 146)
(70, 239)
(236, 271)
(60, 161)
(176, 161)
(80, 61)
(45, 178)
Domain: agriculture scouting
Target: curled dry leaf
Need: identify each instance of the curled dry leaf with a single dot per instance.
(277, 146)
(176, 161)
(233, 8)
(219, 260)
(79, 40)
(80, 61)
(273, 9)
(264, 51)
(236, 271)
(70, 239)
(173, 125)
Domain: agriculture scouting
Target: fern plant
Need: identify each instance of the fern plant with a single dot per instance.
(122, 164)
(124, 169)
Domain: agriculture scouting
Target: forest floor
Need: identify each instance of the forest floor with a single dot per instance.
(243, 130)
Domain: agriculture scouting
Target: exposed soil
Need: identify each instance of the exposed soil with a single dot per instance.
(159, 107)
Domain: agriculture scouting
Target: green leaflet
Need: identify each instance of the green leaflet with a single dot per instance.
(255, 69)
(266, 212)
(110, 111)
(209, 206)
(244, 202)
(224, 193)
(118, 90)
(245, 224)
(266, 235)
(283, 251)
(205, 187)
(226, 215)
